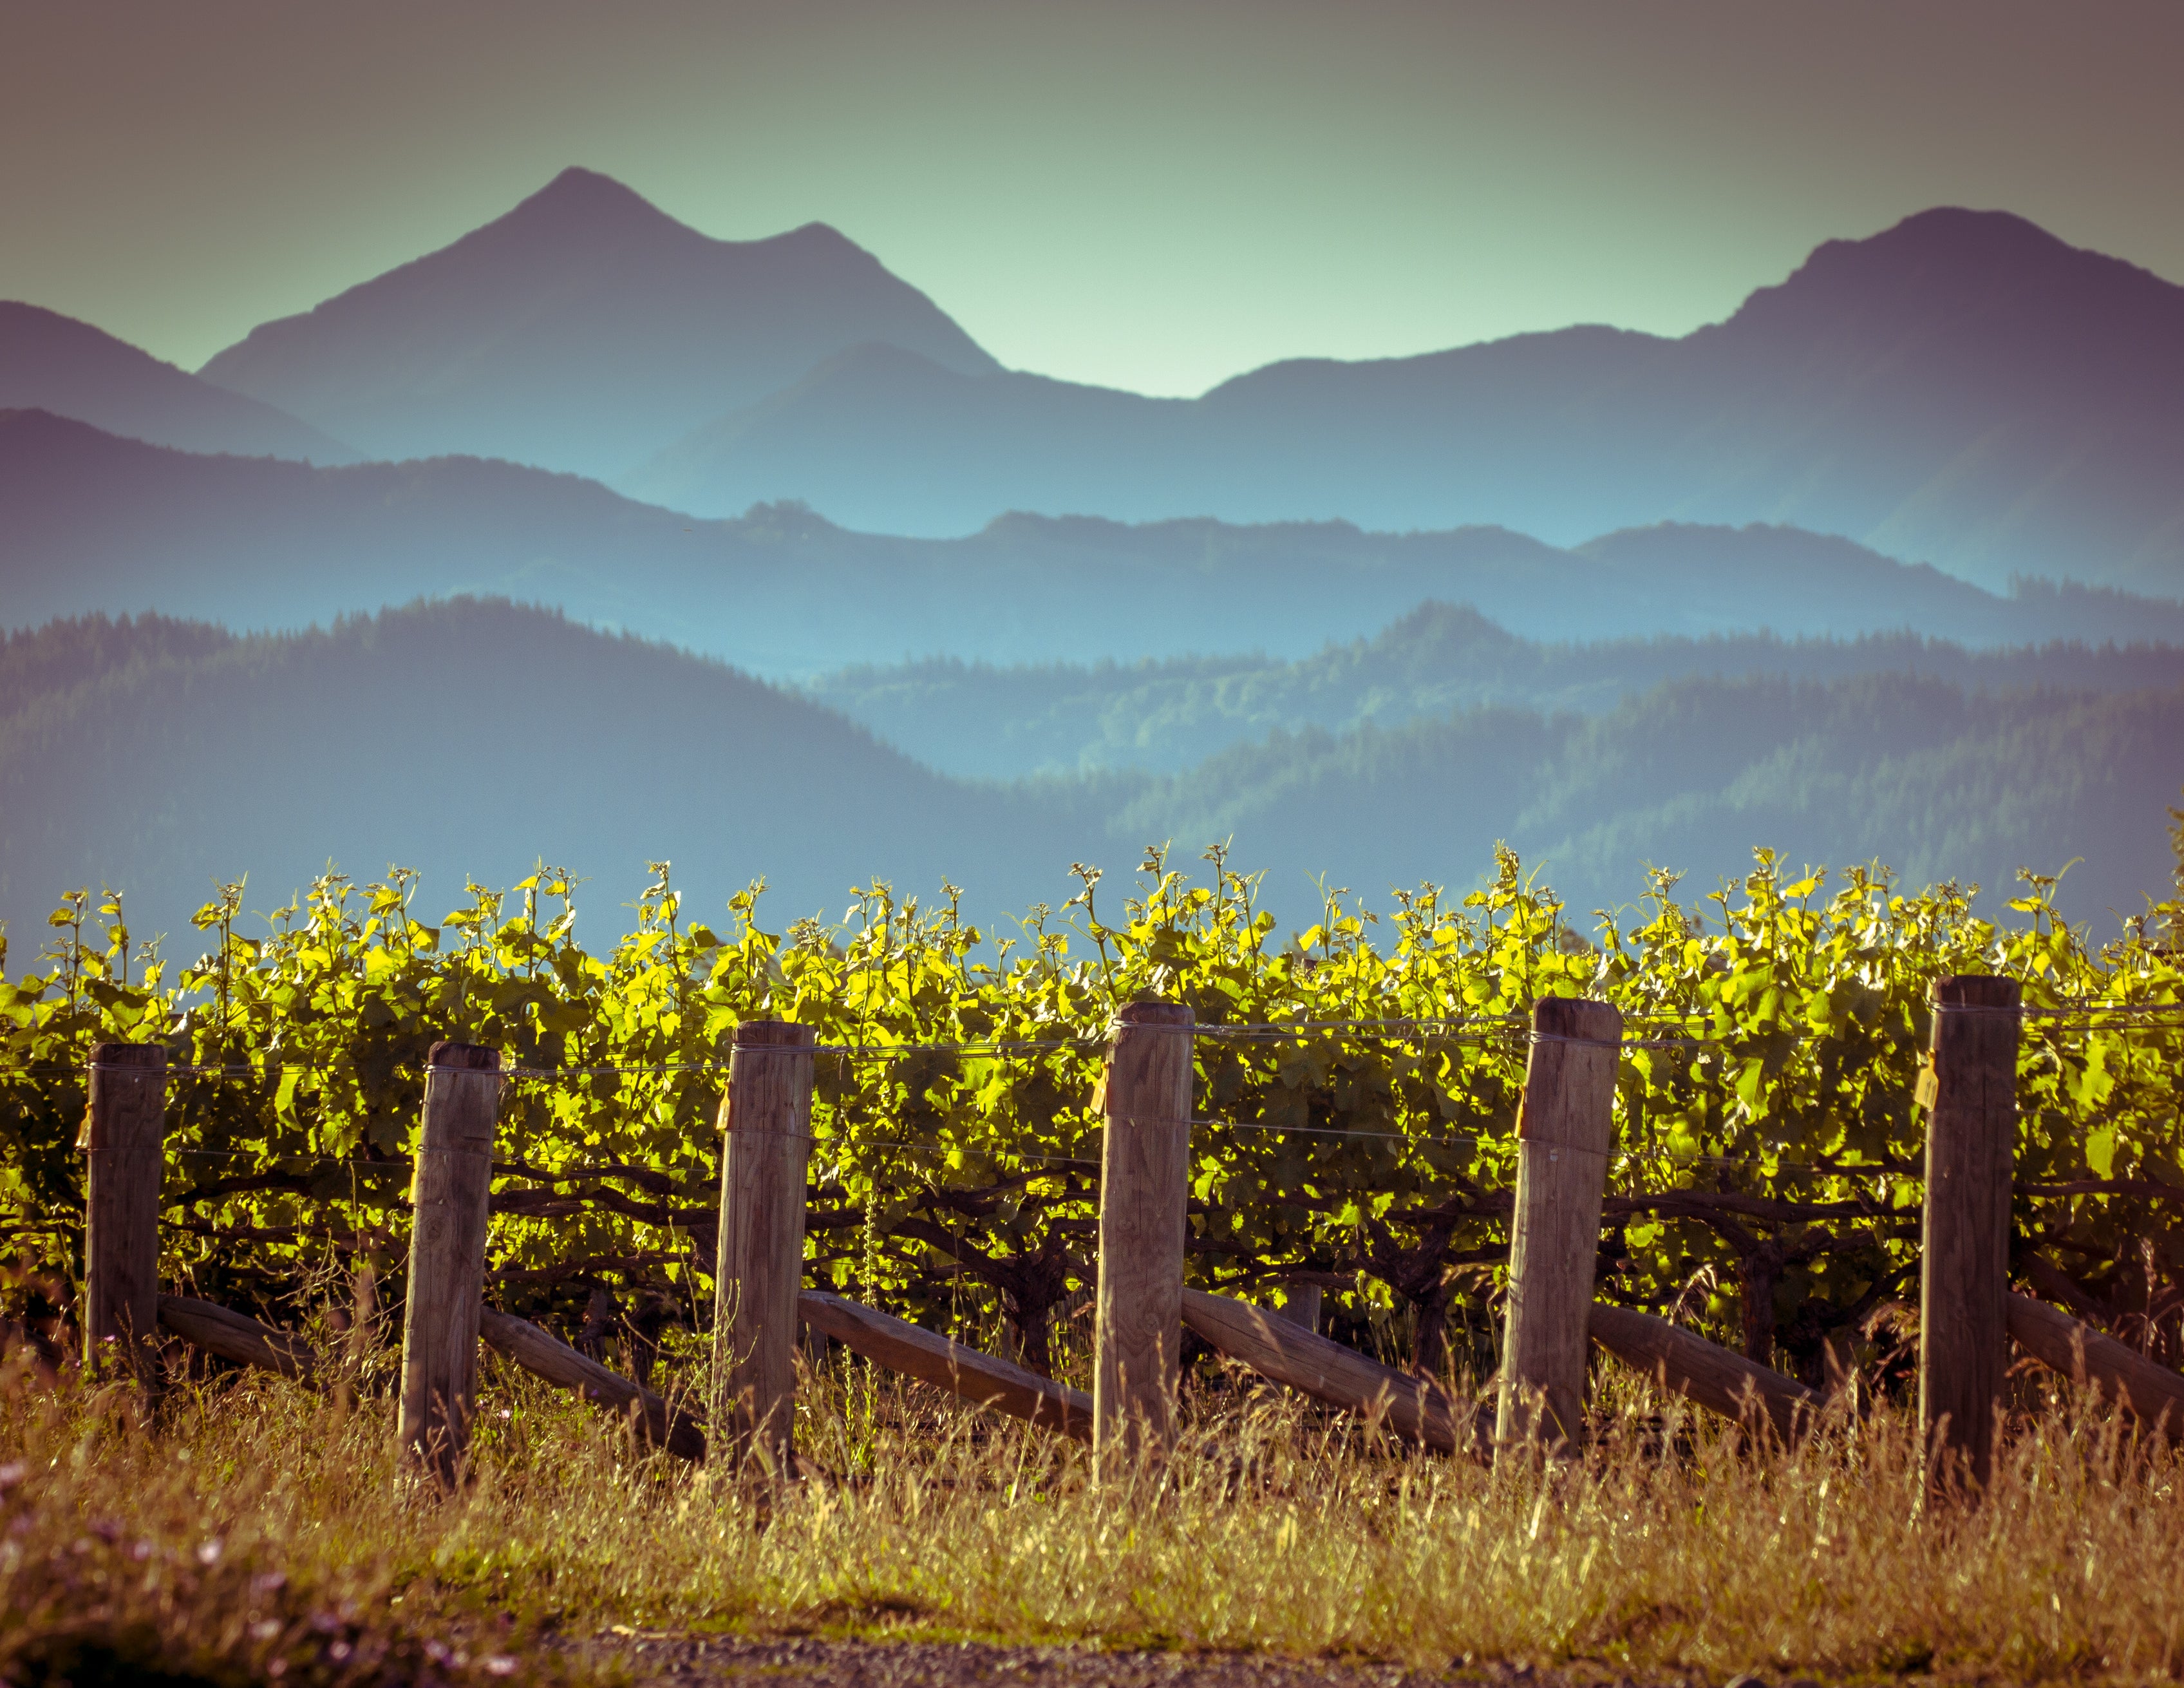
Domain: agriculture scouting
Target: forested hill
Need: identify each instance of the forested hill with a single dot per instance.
(1908, 770)
(979, 720)
(463, 739)
(1963, 388)
(90, 523)
(468, 739)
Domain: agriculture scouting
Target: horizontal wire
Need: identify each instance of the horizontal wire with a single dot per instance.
(1627, 1042)
(578, 1072)
(1813, 1169)
(2079, 1016)
(269, 1159)
(2080, 1005)
(844, 1144)
(1088, 1043)
(1392, 1028)
(1328, 1130)
(254, 1069)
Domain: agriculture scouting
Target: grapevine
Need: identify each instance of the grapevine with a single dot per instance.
(1358, 1090)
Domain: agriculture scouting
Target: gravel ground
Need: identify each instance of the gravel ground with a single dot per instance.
(693, 1661)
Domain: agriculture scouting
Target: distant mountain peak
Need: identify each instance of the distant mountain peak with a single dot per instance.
(576, 180)
(1953, 247)
(1955, 228)
(584, 206)
(1439, 623)
(819, 234)
(50, 362)
(1956, 262)
(583, 330)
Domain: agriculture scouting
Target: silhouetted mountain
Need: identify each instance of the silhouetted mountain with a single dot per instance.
(882, 440)
(94, 523)
(53, 362)
(1906, 769)
(467, 738)
(583, 331)
(980, 722)
(1963, 388)
(108, 525)
(464, 739)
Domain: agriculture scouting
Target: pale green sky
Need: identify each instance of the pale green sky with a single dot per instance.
(1148, 196)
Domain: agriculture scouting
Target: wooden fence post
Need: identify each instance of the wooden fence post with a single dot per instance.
(1565, 1132)
(124, 1138)
(1964, 1277)
(766, 1118)
(1144, 1187)
(449, 1193)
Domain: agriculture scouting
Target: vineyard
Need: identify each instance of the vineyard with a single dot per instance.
(1354, 1134)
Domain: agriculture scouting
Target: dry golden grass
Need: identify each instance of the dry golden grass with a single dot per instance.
(1667, 1549)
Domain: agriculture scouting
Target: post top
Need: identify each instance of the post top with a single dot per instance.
(1977, 990)
(1155, 1013)
(776, 1033)
(468, 1057)
(1577, 1017)
(142, 1056)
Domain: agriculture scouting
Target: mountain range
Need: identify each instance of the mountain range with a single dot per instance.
(92, 523)
(1888, 564)
(1962, 388)
(980, 721)
(583, 331)
(467, 738)
(54, 362)
(464, 739)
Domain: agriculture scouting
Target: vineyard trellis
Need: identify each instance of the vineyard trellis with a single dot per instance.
(1354, 1111)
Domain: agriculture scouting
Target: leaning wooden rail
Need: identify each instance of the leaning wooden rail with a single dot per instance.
(933, 1359)
(239, 1338)
(2153, 1394)
(1408, 1406)
(1714, 1377)
(545, 1356)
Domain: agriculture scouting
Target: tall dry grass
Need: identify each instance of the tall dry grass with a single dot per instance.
(257, 1520)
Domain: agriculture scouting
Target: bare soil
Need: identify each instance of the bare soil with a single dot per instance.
(658, 1660)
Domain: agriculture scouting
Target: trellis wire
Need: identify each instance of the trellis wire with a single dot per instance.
(2084, 1014)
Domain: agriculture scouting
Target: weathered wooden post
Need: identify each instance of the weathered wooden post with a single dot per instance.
(1303, 1305)
(123, 1140)
(766, 1118)
(1144, 1187)
(1565, 1132)
(448, 1193)
(1964, 1279)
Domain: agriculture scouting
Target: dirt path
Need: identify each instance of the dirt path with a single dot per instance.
(698, 1661)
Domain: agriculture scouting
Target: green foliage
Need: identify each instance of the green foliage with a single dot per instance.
(1769, 1142)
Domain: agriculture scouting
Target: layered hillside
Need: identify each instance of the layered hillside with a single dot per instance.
(92, 524)
(979, 720)
(468, 740)
(1962, 388)
(55, 363)
(582, 331)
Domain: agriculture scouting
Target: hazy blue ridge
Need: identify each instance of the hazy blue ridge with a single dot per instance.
(582, 331)
(1908, 771)
(1963, 387)
(984, 721)
(468, 739)
(94, 523)
(53, 362)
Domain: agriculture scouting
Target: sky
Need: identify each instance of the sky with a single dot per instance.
(1155, 196)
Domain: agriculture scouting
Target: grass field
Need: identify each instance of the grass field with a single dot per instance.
(259, 1530)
